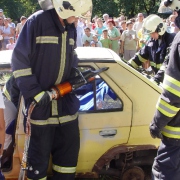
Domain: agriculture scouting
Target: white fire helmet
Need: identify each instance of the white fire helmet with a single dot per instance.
(66, 9)
(154, 23)
(167, 5)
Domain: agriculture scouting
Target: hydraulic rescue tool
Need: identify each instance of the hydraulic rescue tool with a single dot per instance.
(72, 84)
(56, 92)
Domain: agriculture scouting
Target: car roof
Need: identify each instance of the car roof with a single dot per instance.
(84, 54)
(5, 58)
(96, 54)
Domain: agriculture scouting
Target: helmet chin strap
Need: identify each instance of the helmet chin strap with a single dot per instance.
(66, 22)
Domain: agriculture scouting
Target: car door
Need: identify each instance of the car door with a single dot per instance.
(104, 117)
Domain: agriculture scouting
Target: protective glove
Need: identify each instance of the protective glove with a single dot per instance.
(149, 71)
(43, 98)
(1, 175)
(155, 81)
(155, 131)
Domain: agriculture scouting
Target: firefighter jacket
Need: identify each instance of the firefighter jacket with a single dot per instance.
(154, 51)
(167, 115)
(44, 56)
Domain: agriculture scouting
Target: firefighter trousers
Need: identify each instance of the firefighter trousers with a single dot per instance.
(62, 142)
(166, 165)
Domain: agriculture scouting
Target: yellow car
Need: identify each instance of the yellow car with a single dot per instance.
(114, 117)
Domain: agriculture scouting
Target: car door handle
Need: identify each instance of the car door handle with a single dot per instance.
(108, 133)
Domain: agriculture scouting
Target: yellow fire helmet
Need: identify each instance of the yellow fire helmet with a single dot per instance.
(153, 23)
(66, 9)
(167, 6)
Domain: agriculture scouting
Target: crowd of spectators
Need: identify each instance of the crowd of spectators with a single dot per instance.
(124, 36)
(9, 31)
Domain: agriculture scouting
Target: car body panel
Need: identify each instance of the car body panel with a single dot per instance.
(125, 127)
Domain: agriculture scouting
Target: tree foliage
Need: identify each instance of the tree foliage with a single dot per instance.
(16, 8)
(129, 8)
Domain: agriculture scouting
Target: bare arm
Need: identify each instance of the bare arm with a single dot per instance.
(122, 47)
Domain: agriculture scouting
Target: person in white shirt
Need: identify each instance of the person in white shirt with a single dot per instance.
(80, 32)
(106, 18)
(138, 25)
(11, 44)
(87, 37)
(20, 25)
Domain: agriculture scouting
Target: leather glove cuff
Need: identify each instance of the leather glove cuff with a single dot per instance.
(155, 131)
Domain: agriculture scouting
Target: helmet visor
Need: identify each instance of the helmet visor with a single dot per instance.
(163, 9)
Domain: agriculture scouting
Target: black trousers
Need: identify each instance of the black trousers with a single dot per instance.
(167, 163)
(62, 142)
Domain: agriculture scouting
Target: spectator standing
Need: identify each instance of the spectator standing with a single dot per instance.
(138, 25)
(11, 23)
(99, 29)
(1, 31)
(11, 44)
(7, 33)
(94, 22)
(80, 32)
(106, 42)
(122, 18)
(87, 37)
(114, 35)
(2, 131)
(106, 18)
(122, 26)
(129, 42)
(2, 14)
(20, 25)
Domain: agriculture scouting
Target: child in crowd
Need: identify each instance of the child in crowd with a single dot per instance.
(11, 44)
(93, 44)
(95, 39)
(106, 42)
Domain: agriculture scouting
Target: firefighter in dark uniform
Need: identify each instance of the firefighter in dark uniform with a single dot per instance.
(166, 122)
(155, 48)
(44, 56)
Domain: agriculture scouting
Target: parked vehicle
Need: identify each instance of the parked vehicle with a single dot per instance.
(114, 117)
